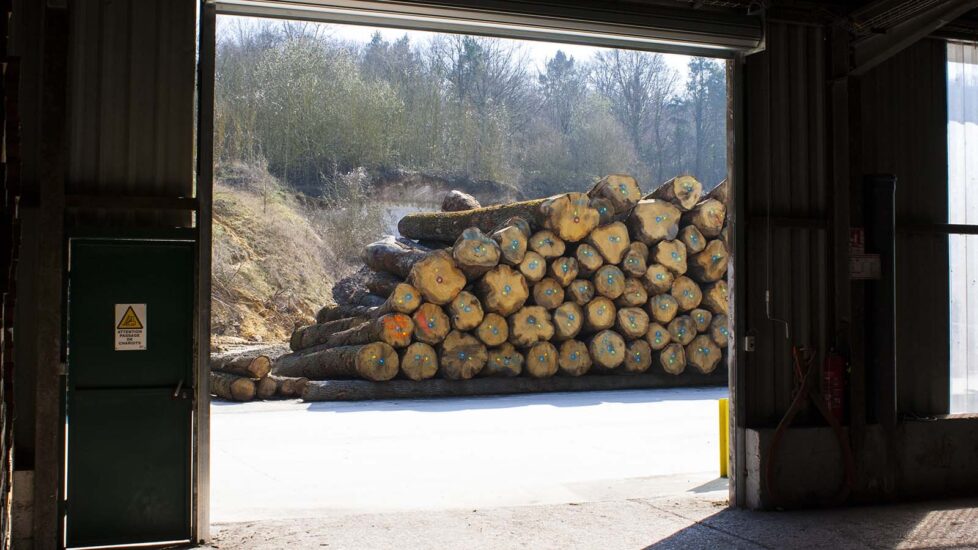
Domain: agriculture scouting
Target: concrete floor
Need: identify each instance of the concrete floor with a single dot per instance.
(281, 460)
(603, 470)
(680, 522)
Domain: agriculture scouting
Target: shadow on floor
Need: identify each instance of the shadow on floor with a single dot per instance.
(555, 399)
(930, 525)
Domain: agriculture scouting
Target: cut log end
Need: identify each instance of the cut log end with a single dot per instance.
(638, 357)
(634, 294)
(663, 308)
(636, 259)
(599, 314)
(548, 293)
(563, 270)
(589, 260)
(512, 244)
(377, 361)
(580, 291)
(687, 293)
(708, 216)
(672, 255)
(493, 330)
(621, 190)
(462, 356)
(703, 354)
(466, 311)
(632, 323)
(431, 324)
(533, 267)
(715, 298)
(504, 361)
(720, 330)
(570, 216)
(529, 325)
(710, 264)
(609, 282)
(658, 336)
(419, 361)
(541, 360)
(475, 253)
(503, 289)
(404, 299)
(573, 358)
(232, 387)
(568, 320)
(611, 241)
(654, 220)
(437, 277)
(547, 244)
(682, 330)
(693, 239)
(607, 350)
(672, 359)
(702, 319)
(683, 191)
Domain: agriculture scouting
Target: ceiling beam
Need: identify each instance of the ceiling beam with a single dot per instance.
(876, 49)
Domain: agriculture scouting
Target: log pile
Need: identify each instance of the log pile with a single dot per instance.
(247, 376)
(608, 281)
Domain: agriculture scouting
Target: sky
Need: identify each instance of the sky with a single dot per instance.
(537, 52)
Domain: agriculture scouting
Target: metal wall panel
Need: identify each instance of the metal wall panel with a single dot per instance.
(904, 132)
(787, 196)
(131, 124)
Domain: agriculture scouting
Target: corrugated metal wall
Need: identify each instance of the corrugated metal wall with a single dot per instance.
(132, 74)
(904, 132)
(787, 200)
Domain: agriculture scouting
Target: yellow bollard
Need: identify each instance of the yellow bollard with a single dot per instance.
(724, 435)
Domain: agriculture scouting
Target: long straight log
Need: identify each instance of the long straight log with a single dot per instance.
(376, 361)
(289, 387)
(314, 335)
(393, 329)
(248, 364)
(392, 256)
(362, 390)
(448, 226)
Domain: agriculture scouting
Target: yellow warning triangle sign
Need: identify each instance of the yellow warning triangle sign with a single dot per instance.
(130, 320)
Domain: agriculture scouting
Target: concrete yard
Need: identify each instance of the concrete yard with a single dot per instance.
(284, 460)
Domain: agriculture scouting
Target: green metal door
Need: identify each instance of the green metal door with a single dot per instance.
(129, 391)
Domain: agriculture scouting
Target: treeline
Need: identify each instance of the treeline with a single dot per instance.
(312, 108)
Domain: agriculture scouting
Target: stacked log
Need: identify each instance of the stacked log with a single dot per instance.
(608, 281)
(247, 376)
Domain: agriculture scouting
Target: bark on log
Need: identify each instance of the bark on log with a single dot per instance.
(606, 210)
(461, 356)
(503, 290)
(447, 226)
(493, 331)
(465, 311)
(607, 349)
(611, 241)
(658, 279)
(563, 270)
(266, 388)
(710, 264)
(437, 277)
(249, 364)
(541, 360)
(533, 267)
(504, 361)
(708, 216)
(419, 361)
(529, 325)
(589, 260)
(672, 358)
(634, 294)
(654, 220)
(393, 256)
(720, 193)
(658, 336)
(568, 320)
(375, 361)
(330, 313)
(683, 191)
(609, 282)
(638, 357)
(546, 243)
(289, 387)
(404, 299)
(393, 329)
(548, 293)
(621, 190)
(458, 201)
(703, 354)
(573, 358)
(599, 314)
(475, 253)
(580, 291)
(232, 387)
(431, 324)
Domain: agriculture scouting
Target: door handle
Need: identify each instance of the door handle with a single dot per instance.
(178, 391)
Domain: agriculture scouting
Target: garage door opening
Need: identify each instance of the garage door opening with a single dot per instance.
(331, 139)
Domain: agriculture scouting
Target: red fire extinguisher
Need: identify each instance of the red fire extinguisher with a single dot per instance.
(834, 384)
